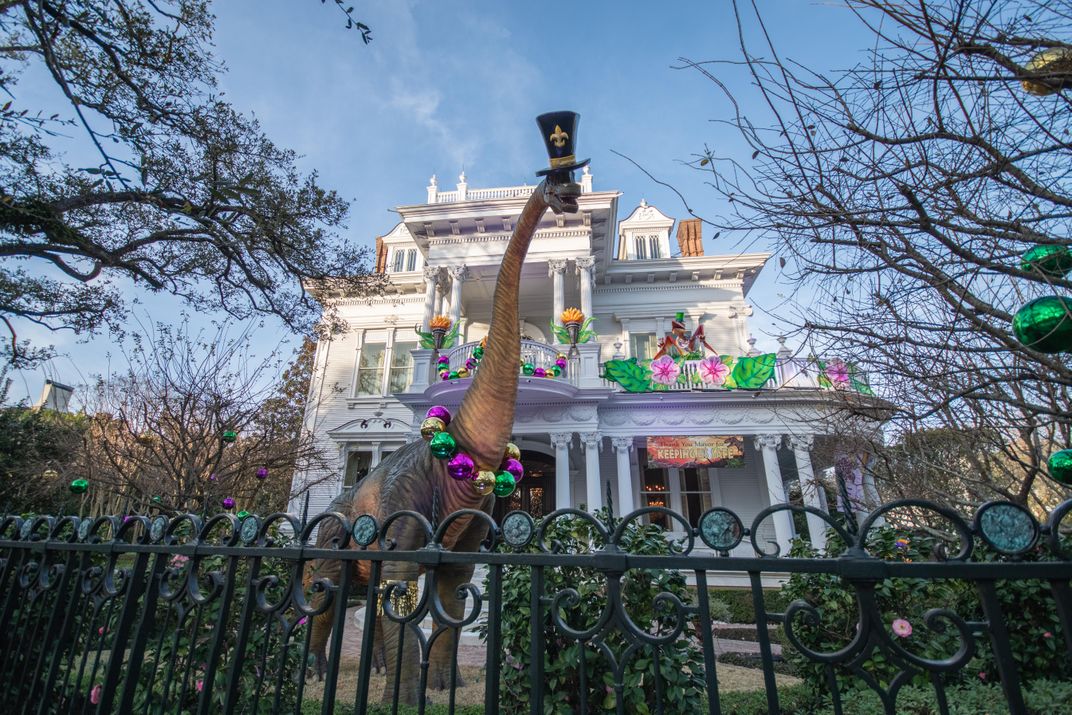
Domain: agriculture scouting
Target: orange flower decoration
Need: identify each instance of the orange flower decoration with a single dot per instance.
(572, 315)
(440, 322)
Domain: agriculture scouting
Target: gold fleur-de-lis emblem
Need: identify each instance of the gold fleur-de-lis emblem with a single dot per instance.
(559, 137)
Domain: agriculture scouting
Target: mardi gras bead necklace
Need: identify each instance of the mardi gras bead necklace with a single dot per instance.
(461, 466)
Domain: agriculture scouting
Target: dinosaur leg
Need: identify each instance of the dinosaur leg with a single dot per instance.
(447, 580)
(322, 623)
(400, 643)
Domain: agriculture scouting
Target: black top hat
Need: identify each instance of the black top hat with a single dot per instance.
(559, 131)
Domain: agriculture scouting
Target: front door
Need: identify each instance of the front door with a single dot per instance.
(535, 493)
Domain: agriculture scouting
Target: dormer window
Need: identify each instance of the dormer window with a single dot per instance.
(404, 260)
(653, 243)
(641, 248)
(400, 260)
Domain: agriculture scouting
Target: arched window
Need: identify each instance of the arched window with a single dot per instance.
(399, 262)
(653, 241)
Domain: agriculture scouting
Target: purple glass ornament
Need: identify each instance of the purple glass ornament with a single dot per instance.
(212, 477)
(228, 503)
(561, 362)
(443, 360)
(470, 363)
(439, 411)
(262, 473)
(517, 471)
(539, 372)
(444, 374)
(461, 466)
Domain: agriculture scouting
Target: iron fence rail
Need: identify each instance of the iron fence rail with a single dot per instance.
(159, 615)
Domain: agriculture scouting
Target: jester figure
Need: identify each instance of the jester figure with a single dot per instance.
(682, 342)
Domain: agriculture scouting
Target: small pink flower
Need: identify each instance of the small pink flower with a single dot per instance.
(713, 371)
(664, 370)
(95, 694)
(200, 685)
(100, 631)
(982, 675)
(838, 372)
(902, 628)
(178, 560)
(303, 621)
(1047, 634)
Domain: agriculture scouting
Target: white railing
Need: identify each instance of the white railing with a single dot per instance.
(539, 355)
(506, 192)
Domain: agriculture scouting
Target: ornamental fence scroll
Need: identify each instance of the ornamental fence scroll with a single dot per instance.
(151, 614)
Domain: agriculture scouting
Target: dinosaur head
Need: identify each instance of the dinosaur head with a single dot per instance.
(485, 418)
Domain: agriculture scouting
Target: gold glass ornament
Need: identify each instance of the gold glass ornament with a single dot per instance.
(431, 427)
(512, 452)
(484, 483)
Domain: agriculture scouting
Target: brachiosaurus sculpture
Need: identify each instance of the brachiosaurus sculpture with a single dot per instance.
(409, 477)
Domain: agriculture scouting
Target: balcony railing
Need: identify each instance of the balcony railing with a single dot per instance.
(541, 356)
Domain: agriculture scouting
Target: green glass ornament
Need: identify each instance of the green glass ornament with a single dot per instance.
(556, 370)
(229, 436)
(79, 486)
(242, 514)
(478, 353)
(1060, 465)
(443, 446)
(527, 368)
(1047, 259)
(504, 484)
(1045, 324)
(453, 374)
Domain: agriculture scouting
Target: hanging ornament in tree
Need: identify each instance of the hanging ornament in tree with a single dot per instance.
(1060, 465)
(229, 436)
(443, 446)
(242, 514)
(50, 474)
(1048, 259)
(228, 503)
(1045, 324)
(1053, 67)
(484, 483)
(262, 473)
(504, 484)
(79, 486)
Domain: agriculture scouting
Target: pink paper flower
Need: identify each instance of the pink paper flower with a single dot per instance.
(838, 372)
(95, 694)
(1047, 634)
(901, 628)
(664, 370)
(713, 371)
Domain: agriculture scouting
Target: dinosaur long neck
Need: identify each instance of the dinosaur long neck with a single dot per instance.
(486, 416)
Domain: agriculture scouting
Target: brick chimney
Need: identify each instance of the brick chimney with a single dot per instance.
(690, 237)
(381, 255)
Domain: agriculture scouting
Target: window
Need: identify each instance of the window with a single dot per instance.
(411, 259)
(643, 345)
(370, 370)
(401, 374)
(695, 494)
(654, 490)
(653, 242)
(641, 248)
(399, 258)
(357, 468)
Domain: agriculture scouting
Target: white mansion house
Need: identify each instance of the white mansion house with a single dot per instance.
(709, 423)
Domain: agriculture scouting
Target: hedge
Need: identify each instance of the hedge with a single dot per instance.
(739, 601)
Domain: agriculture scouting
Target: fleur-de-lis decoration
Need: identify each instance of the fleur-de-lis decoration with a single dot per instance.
(559, 137)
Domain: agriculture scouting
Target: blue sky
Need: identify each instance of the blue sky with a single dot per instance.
(446, 85)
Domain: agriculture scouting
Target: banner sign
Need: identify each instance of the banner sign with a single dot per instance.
(681, 452)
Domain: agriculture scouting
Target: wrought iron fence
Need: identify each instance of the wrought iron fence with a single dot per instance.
(577, 613)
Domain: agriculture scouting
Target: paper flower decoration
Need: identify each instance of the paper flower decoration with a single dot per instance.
(713, 371)
(664, 370)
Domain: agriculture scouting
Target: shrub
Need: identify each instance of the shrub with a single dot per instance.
(679, 665)
(739, 602)
(1034, 631)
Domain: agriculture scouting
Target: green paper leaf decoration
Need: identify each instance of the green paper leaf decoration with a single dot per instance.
(628, 374)
(452, 335)
(752, 373)
(426, 339)
(560, 332)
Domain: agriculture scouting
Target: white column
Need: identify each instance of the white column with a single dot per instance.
(809, 487)
(591, 442)
(556, 268)
(584, 269)
(457, 277)
(431, 277)
(377, 454)
(626, 498)
(768, 445)
(673, 496)
(561, 442)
